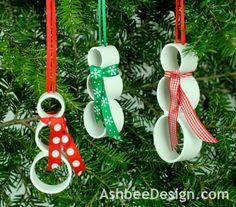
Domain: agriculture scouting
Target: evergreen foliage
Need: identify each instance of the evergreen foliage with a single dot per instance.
(139, 29)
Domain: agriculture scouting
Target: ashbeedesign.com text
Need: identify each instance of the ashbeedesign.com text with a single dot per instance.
(165, 195)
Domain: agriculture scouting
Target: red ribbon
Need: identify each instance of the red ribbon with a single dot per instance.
(179, 98)
(61, 139)
(59, 136)
(51, 46)
(180, 6)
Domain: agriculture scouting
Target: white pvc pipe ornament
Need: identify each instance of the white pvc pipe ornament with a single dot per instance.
(40, 185)
(52, 95)
(46, 188)
(98, 130)
(191, 143)
(103, 57)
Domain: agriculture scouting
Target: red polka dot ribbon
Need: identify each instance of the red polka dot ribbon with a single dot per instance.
(61, 139)
(179, 98)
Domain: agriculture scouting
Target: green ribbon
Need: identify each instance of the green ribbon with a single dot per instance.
(101, 104)
(102, 24)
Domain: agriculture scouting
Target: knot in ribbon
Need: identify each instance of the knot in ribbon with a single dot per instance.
(179, 98)
(61, 139)
(101, 104)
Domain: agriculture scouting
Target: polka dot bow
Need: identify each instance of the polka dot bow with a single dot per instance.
(61, 139)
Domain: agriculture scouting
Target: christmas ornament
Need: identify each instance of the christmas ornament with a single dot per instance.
(59, 138)
(178, 95)
(103, 116)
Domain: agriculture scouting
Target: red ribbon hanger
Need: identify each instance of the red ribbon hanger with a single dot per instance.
(51, 46)
(60, 139)
(180, 9)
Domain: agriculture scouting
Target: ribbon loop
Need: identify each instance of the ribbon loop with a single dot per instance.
(179, 98)
(180, 9)
(101, 103)
(61, 139)
(51, 46)
(102, 24)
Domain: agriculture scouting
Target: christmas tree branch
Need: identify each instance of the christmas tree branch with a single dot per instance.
(24, 122)
(136, 134)
(150, 106)
(222, 127)
(105, 152)
(152, 86)
(216, 76)
(105, 184)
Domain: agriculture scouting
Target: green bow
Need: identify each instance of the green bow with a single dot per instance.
(101, 104)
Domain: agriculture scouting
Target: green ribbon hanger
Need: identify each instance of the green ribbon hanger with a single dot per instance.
(101, 104)
(102, 24)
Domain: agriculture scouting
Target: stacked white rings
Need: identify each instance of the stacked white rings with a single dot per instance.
(103, 57)
(191, 144)
(40, 185)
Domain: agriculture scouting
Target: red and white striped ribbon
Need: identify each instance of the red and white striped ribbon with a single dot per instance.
(179, 98)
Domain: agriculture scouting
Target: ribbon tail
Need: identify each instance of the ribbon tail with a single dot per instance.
(173, 112)
(54, 153)
(98, 92)
(193, 120)
(74, 156)
(109, 123)
(97, 111)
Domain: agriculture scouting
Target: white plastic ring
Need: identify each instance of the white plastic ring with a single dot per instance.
(46, 188)
(45, 96)
(38, 141)
(191, 143)
(189, 86)
(103, 56)
(113, 87)
(169, 58)
(97, 130)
